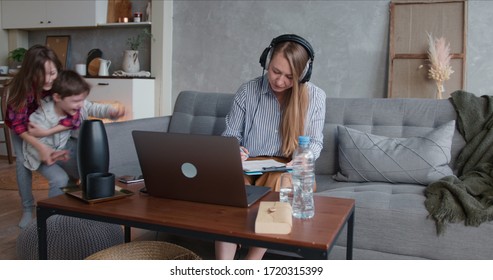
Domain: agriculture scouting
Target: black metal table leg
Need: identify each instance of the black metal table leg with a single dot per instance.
(42, 215)
(350, 229)
(127, 233)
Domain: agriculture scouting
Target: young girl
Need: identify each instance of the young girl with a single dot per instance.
(32, 83)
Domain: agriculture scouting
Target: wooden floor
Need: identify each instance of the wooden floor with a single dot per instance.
(10, 215)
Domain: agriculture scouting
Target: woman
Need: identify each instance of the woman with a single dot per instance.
(269, 113)
(32, 83)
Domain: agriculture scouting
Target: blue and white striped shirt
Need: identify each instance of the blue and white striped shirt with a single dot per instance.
(255, 117)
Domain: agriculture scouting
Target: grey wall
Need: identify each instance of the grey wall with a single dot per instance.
(217, 44)
(480, 47)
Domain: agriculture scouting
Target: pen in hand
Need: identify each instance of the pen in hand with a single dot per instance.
(244, 153)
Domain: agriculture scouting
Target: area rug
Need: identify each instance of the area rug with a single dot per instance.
(9, 182)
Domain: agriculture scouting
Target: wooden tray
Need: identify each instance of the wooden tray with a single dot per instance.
(77, 193)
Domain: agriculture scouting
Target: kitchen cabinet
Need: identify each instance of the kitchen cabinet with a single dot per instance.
(136, 94)
(24, 14)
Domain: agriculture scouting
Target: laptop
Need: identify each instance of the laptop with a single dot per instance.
(199, 168)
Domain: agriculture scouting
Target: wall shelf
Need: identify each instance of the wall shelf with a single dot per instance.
(125, 24)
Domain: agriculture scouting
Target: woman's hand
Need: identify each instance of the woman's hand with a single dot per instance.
(244, 153)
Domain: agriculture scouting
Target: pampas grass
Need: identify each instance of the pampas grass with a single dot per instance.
(439, 57)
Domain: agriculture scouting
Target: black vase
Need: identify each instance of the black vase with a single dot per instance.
(93, 154)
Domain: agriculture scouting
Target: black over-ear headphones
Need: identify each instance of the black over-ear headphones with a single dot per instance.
(266, 54)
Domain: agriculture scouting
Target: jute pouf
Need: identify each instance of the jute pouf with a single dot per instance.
(145, 250)
(69, 238)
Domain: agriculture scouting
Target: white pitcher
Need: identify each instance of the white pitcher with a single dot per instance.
(131, 61)
(104, 67)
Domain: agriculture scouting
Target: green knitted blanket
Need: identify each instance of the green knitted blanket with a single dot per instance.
(469, 197)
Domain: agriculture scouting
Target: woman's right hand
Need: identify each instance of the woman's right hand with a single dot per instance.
(244, 153)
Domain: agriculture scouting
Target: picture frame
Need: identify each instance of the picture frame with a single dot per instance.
(61, 46)
(408, 66)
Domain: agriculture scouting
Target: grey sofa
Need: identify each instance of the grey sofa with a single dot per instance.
(391, 220)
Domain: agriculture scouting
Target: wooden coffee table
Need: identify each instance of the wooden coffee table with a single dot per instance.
(311, 239)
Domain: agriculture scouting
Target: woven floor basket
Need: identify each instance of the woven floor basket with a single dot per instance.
(145, 250)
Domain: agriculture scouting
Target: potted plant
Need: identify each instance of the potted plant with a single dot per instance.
(133, 43)
(17, 56)
(131, 56)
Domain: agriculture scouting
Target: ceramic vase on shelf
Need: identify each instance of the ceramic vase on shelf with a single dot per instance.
(131, 61)
(92, 151)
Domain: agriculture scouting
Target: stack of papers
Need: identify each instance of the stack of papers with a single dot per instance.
(252, 167)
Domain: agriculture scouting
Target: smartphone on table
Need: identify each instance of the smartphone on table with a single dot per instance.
(130, 179)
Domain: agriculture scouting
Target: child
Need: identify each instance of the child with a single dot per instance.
(70, 91)
(27, 88)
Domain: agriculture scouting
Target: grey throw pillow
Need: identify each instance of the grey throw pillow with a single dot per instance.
(364, 157)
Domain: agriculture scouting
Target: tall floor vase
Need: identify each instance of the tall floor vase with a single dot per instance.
(92, 151)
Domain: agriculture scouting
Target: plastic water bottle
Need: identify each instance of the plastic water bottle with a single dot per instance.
(303, 180)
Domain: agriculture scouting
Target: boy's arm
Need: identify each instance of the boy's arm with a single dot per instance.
(103, 110)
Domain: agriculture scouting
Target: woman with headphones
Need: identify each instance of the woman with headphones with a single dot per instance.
(270, 112)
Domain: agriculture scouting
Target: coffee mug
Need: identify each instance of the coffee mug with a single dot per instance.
(81, 69)
(100, 185)
(4, 70)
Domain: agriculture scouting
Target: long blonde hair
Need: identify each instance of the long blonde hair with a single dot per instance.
(295, 104)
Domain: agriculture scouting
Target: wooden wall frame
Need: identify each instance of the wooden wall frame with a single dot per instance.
(408, 45)
(61, 46)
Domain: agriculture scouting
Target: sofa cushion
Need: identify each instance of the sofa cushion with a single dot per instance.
(391, 222)
(365, 157)
(200, 113)
(391, 117)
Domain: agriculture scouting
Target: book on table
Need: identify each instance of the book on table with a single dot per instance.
(252, 167)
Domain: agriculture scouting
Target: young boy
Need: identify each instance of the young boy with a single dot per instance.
(70, 91)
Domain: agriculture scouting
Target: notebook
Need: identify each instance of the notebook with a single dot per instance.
(199, 168)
